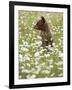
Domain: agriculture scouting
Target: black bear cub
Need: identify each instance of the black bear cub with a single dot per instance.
(46, 34)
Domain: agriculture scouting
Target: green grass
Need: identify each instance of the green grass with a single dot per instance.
(34, 61)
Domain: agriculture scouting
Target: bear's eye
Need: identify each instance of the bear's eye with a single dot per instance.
(39, 23)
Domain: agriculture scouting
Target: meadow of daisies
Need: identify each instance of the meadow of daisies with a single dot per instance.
(34, 60)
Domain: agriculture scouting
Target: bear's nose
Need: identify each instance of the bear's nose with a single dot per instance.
(34, 25)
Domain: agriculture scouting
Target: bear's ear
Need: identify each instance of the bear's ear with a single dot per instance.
(43, 19)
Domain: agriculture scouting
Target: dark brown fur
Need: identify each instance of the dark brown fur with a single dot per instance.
(46, 34)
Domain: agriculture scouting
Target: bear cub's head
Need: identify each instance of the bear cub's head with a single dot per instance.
(40, 25)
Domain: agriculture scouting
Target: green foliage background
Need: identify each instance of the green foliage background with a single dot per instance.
(34, 61)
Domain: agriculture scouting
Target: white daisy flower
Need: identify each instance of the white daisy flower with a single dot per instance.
(36, 54)
(25, 49)
(33, 76)
(26, 57)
